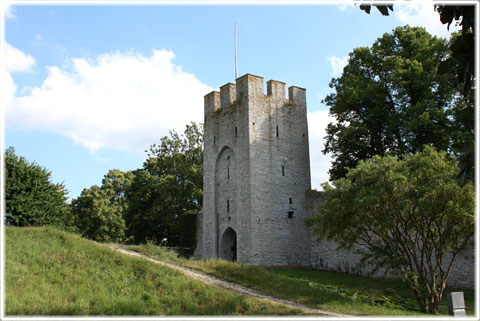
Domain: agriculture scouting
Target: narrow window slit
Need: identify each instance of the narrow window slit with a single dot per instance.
(290, 214)
(276, 129)
(290, 200)
(228, 206)
(283, 171)
(214, 140)
(236, 131)
(228, 172)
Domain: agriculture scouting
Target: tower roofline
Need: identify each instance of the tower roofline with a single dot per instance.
(250, 85)
(246, 75)
(297, 87)
(228, 83)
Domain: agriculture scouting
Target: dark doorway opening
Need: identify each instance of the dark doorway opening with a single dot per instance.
(228, 245)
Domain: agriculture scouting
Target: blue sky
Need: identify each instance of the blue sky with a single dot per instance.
(87, 88)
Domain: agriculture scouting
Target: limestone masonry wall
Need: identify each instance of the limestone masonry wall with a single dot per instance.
(256, 171)
(324, 255)
(256, 184)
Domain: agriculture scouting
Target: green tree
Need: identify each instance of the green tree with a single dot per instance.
(463, 15)
(392, 99)
(31, 196)
(115, 184)
(99, 211)
(408, 217)
(166, 194)
(460, 66)
(384, 9)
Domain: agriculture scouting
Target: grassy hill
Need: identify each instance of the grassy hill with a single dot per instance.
(51, 272)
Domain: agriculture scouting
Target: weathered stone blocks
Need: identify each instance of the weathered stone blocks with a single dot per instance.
(258, 190)
(257, 183)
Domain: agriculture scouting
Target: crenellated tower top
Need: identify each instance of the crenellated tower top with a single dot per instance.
(250, 86)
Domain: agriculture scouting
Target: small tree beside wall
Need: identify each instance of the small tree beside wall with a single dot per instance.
(403, 216)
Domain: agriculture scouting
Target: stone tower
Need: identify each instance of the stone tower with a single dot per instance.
(256, 173)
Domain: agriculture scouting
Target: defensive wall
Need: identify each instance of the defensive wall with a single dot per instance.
(256, 184)
(325, 255)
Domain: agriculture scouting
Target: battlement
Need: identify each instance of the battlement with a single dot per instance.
(251, 86)
(276, 89)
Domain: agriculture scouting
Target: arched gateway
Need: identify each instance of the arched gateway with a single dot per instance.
(228, 245)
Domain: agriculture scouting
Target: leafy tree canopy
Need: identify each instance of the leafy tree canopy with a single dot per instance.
(30, 195)
(166, 194)
(463, 15)
(402, 216)
(460, 68)
(99, 211)
(384, 9)
(391, 98)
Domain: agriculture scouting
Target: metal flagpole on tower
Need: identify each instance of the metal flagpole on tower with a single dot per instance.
(235, 36)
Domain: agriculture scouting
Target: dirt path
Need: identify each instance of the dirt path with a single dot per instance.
(228, 285)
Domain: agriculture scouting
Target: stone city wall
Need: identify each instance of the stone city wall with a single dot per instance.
(324, 255)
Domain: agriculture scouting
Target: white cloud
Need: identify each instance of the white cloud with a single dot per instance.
(319, 163)
(122, 101)
(338, 64)
(8, 89)
(422, 14)
(346, 6)
(16, 60)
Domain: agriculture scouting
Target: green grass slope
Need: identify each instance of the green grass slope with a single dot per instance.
(51, 272)
(336, 292)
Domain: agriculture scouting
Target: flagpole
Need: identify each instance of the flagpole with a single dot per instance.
(235, 37)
